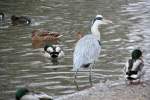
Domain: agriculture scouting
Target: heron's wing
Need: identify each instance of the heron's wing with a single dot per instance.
(87, 50)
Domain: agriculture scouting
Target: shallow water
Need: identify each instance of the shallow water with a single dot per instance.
(21, 65)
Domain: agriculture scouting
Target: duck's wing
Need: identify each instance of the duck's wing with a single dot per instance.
(138, 65)
(30, 97)
(43, 96)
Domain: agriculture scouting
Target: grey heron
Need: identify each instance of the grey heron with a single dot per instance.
(87, 49)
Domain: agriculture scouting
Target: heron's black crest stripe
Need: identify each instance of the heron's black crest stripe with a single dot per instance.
(97, 18)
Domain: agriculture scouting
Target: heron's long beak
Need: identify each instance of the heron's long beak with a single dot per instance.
(105, 21)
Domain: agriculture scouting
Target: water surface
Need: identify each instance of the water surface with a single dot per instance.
(21, 65)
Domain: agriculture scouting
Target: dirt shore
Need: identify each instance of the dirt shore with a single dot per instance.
(112, 92)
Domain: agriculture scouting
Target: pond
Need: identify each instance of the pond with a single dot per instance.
(22, 65)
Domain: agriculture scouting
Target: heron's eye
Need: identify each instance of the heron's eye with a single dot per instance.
(99, 18)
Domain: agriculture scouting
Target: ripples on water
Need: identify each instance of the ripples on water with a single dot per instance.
(21, 65)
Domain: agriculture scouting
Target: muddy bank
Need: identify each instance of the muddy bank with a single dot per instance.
(112, 92)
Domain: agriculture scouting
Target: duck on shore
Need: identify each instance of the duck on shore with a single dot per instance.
(25, 94)
(42, 37)
(134, 66)
(17, 20)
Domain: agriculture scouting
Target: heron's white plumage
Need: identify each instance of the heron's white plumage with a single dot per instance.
(87, 50)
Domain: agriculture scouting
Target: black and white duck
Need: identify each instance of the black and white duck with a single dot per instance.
(53, 51)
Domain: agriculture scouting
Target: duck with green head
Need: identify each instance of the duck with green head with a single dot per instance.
(134, 66)
(25, 94)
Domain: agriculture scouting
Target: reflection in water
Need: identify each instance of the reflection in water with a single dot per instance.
(21, 65)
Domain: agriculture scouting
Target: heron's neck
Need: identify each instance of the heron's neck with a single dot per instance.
(95, 31)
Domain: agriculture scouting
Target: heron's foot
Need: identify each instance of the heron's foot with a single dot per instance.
(91, 84)
(90, 80)
(76, 84)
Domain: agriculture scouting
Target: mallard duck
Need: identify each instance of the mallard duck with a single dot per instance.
(134, 66)
(42, 37)
(53, 51)
(20, 20)
(2, 16)
(25, 94)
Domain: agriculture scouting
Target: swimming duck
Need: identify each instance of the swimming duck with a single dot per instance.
(20, 20)
(134, 66)
(42, 37)
(25, 94)
(2, 16)
(53, 51)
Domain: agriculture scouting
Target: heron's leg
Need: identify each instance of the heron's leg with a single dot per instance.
(75, 78)
(93, 65)
(90, 76)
